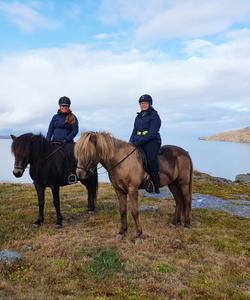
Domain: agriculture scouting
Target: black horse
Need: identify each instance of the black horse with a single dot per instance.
(49, 167)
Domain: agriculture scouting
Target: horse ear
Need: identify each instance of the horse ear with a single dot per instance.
(13, 137)
(93, 137)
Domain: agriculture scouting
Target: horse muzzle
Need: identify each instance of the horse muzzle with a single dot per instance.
(80, 173)
(18, 172)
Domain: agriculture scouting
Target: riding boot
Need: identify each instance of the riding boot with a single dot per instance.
(156, 181)
(71, 163)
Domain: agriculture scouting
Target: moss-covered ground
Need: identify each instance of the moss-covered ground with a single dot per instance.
(83, 260)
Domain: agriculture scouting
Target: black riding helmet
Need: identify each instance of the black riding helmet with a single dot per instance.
(64, 101)
(146, 98)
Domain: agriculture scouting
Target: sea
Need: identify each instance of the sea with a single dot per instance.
(221, 159)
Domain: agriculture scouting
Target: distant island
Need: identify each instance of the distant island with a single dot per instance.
(237, 136)
(5, 137)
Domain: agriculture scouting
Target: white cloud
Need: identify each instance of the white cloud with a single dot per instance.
(197, 47)
(105, 86)
(104, 36)
(160, 19)
(132, 10)
(25, 17)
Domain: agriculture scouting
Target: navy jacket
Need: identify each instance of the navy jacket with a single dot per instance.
(61, 131)
(146, 121)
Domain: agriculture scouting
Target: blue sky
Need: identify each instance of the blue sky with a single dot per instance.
(192, 56)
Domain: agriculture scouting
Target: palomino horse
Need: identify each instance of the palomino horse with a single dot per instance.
(49, 167)
(126, 172)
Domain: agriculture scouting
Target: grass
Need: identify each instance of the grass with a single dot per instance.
(84, 260)
(207, 185)
(105, 262)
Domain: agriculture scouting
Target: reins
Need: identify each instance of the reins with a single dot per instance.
(47, 157)
(91, 170)
(119, 162)
(53, 152)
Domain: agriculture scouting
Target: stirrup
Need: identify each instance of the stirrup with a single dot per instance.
(149, 187)
(72, 179)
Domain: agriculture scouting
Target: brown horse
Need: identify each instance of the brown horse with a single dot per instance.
(124, 164)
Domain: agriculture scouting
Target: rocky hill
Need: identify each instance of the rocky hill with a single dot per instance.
(238, 136)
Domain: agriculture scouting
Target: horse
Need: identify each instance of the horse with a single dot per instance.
(124, 163)
(49, 167)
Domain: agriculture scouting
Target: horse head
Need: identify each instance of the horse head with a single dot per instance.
(86, 154)
(21, 149)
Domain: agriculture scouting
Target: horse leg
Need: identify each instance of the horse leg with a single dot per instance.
(122, 197)
(133, 198)
(173, 186)
(91, 186)
(56, 201)
(187, 204)
(40, 195)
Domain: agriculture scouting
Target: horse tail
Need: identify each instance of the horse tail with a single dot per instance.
(191, 178)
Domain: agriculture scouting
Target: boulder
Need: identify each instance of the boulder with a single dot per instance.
(149, 208)
(9, 257)
(244, 178)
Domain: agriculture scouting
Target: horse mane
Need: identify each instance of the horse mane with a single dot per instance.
(92, 142)
(21, 145)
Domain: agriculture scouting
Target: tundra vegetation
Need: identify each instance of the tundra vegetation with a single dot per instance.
(83, 260)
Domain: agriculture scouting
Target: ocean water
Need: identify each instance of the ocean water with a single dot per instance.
(215, 158)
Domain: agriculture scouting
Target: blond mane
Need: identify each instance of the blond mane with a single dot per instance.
(91, 143)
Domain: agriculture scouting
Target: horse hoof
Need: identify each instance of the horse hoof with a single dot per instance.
(187, 226)
(138, 241)
(120, 237)
(58, 226)
(36, 225)
(172, 225)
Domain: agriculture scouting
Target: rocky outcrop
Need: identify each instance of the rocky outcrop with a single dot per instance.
(244, 178)
(199, 176)
(238, 136)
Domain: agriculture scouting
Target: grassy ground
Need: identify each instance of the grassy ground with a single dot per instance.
(85, 261)
(206, 184)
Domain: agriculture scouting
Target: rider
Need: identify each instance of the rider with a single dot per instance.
(146, 135)
(62, 129)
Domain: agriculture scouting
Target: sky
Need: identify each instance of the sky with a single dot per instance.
(191, 56)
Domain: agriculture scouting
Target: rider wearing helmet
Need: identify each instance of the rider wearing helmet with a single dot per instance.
(146, 135)
(64, 125)
(62, 129)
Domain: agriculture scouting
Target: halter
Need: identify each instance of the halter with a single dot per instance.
(23, 166)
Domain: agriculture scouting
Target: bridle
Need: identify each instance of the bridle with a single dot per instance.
(90, 169)
(91, 164)
(23, 166)
(27, 161)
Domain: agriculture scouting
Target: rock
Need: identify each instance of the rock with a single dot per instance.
(240, 197)
(221, 180)
(27, 247)
(177, 244)
(244, 178)
(165, 194)
(149, 208)
(199, 176)
(9, 257)
(235, 207)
